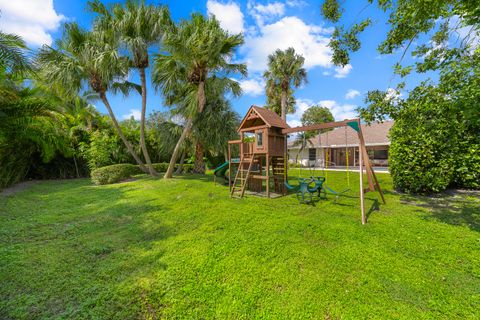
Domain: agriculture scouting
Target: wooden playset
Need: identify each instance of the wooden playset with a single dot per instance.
(261, 167)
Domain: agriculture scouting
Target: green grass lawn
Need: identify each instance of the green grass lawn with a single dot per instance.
(182, 249)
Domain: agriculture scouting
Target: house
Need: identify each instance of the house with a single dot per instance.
(330, 148)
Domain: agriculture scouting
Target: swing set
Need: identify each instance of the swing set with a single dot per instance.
(261, 168)
(321, 183)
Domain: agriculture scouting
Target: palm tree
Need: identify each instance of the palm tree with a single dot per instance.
(84, 58)
(164, 133)
(303, 141)
(274, 100)
(13, 57)
(216, 125)
(30, 123)
(198, 49)
(285, 70)
(138, 27)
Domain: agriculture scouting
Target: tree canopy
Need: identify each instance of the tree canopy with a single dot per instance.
(314, 115)
(284, 73)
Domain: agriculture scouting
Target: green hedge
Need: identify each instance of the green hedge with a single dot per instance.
(162, 167)
(114, 173)
(433, 147)
(118, 172)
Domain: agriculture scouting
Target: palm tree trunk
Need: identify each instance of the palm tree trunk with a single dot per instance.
(199, 166)
(180, 164)
(127, 143)
(76, 166)
(173, 159)
(201, 96)
(142, 124)
(283, 103)
(186, 131)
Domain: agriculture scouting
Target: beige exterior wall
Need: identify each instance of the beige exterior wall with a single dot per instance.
(303, 157)
(304, 162)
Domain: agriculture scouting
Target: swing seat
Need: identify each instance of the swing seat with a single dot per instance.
(318, 187)
(291, 187)
(303, 193)
(335, 193)
(294, 188)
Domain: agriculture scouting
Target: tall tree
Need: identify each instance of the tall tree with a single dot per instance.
(302, 140)
(216, 125)
(441, 116)
(429, 24)
(274, 100)
(285, 72)
(198, 49)
(314, 115)
(82, 59)
(139, 27)
(30, 123)
(13, 54)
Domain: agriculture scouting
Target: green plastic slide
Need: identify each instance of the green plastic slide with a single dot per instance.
(220, 170)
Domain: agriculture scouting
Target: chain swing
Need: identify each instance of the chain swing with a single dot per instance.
(346, 157)
(325, 186)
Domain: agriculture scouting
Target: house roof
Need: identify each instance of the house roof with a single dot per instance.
(375, 134)
(264, 116)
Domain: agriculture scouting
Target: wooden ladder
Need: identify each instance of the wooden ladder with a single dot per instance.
(238, 190)
(278, 166)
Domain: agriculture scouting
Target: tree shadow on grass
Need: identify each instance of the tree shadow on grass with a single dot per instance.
(197, 177)
(454, 208)
(81, 244)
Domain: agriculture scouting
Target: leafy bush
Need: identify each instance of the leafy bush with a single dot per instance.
(104, 148)
(467, 168)
(431, 147)
(187, 168)
(162, 167)
(114, 173)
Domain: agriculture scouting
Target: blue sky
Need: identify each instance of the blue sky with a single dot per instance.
(266, 25)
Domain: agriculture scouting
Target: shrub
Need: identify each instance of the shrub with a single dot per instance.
(163, 166)
(431, 147)
(187, 167)
(114, 173)
(160, 167)
(467, 172)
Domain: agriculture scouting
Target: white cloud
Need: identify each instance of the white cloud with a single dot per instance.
(30, 19)
(228, 14)
(296, 3)
(311, 41)
(253, 87)
(339, 111)
(342, 72)
(352, 94)
(264, 13)
(135, 113)
(301, 106)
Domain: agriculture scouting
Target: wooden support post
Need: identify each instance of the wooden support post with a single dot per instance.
(230, 168)
(240, 165)
(285, 164)
(267, 171)
(365, 159)
(362, 195)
